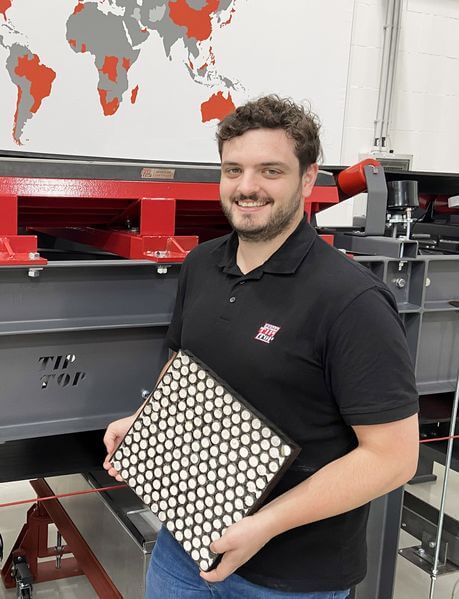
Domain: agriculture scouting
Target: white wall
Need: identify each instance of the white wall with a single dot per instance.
(303, 50)
(270, 46)
(425, 112)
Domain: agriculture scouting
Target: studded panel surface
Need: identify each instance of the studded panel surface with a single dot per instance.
(200, 457)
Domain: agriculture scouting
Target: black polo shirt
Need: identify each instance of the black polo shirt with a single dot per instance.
(313, 341)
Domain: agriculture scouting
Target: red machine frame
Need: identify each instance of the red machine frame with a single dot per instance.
(132, 219)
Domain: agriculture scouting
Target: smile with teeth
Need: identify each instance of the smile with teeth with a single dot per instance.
(251, 203)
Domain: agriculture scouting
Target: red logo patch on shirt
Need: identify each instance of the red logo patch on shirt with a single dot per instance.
(267, 332)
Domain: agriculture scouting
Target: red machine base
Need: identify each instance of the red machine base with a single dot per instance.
(32, 545)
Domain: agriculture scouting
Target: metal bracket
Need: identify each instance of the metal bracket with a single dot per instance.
(20, 571)
(159, 249)
(376, 245)
(423, 556)
(375, 221)
(18, 250)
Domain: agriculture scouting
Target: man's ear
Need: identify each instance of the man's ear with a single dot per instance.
(309, 179)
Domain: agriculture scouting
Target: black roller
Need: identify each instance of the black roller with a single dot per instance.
(402, 194)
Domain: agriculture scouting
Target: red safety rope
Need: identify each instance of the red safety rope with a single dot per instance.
(123, 486)
(85, 492)
(438, 439)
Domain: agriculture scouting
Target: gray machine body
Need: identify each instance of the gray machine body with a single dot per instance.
(82, 341)
(79, 343)
(426, 289)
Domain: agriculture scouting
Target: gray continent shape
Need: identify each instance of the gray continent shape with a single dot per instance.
(26, 101)
(197, 4)
(154, 15)
(169, 32)
(135, 33)
(224, 5)
(104, 35)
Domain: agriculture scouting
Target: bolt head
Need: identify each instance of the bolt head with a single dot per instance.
(34, 255)
(161, 270)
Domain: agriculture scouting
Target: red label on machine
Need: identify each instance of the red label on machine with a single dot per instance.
(157, 173)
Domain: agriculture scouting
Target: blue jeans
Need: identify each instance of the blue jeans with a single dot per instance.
(172, 574)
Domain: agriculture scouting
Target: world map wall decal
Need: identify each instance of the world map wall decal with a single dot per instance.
(114, 33)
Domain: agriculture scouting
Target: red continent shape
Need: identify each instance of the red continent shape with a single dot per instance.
(197, 22)
(15, 120)
(4, 6)
(109, 67)
(78, 8)
(134, 93)
(40, 77)
(217, 107)
(126, 64)
(228, 21)
(108, 107)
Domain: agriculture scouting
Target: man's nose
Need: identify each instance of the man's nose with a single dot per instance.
(248, 184)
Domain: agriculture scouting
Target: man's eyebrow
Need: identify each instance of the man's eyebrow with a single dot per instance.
(276, 164)
(263, 164)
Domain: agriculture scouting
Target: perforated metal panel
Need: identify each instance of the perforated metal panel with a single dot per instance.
(200, 457)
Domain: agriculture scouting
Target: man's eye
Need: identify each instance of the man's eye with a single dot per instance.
(233, 171)
(271, 172)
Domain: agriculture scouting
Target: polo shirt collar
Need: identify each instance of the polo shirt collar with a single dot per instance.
(285, 260)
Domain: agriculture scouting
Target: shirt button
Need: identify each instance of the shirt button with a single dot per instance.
(241, 282)
(232, 299)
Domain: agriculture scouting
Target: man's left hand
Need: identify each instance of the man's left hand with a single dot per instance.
(238, 544)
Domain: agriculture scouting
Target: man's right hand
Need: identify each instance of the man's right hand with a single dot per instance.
(113, 436)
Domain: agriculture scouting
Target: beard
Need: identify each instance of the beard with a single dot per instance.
(280, 219)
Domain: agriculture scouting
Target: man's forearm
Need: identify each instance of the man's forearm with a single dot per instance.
(384, 459)
(338, 487)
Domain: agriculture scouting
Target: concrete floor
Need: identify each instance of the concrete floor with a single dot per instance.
(411, 582)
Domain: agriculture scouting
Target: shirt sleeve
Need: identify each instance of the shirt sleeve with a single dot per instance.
(367, 365)
(174, 333)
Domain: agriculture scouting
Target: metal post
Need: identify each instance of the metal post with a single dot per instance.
(387, 75)
(449, 452)
(393, 53)
(383, 77)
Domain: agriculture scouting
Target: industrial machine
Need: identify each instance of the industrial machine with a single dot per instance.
(90, 253)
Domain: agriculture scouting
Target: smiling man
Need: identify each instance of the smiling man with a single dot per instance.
(261, 190)
(313, 341)
(263, 198)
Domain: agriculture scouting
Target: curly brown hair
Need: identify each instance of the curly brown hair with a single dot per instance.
(273, 112)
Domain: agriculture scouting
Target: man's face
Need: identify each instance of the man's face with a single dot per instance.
(261, 187)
